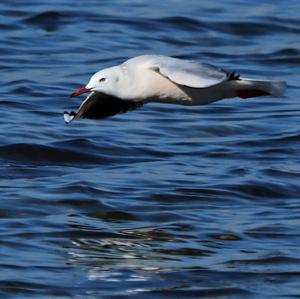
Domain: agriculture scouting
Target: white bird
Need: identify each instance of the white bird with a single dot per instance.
(157, 78)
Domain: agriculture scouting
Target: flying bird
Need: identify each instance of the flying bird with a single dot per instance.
(157, 78)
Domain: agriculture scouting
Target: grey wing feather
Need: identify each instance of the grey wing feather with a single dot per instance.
(189, 73)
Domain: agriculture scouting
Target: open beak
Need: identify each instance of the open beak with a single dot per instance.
(79, 91)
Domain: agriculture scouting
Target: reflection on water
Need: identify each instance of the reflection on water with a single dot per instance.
(165, 201)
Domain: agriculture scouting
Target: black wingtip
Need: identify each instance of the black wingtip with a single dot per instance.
(233, 76)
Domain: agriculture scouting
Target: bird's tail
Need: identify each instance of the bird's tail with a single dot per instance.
(249, 88)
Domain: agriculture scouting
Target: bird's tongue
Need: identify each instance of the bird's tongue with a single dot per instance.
(79, 91)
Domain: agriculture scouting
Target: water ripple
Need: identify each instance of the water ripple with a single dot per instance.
(163, 201)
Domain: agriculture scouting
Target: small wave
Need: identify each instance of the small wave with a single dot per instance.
(48, 21)
(37, 153)
(182, 22)
(259, 190)
(278, 259)
(203, 292)
(251, 29)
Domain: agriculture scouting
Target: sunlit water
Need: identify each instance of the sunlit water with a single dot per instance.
(165, 201)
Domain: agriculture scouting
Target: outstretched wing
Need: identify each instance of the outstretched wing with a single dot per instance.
(189, 73)
(99, 105)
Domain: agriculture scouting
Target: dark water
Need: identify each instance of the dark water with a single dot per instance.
(165, 201)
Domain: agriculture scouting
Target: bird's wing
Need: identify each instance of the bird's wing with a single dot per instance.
(99, 105)
(189, 73)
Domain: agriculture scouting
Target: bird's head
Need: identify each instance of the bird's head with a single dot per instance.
(105, 81)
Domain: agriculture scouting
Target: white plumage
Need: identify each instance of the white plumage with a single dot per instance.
(157, 78)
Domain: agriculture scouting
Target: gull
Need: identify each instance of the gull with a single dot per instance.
(163, 79)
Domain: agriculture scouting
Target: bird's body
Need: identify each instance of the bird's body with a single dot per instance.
(157, 78)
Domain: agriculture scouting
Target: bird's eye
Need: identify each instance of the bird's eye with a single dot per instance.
(102, 80)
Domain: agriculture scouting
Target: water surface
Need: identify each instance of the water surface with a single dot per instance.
(165, 201)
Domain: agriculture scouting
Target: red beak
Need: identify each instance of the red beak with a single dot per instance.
(79, 91)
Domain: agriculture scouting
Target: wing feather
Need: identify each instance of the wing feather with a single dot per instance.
(188, 73)
(99, 105)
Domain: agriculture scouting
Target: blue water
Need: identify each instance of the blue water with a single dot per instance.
(162, 202)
